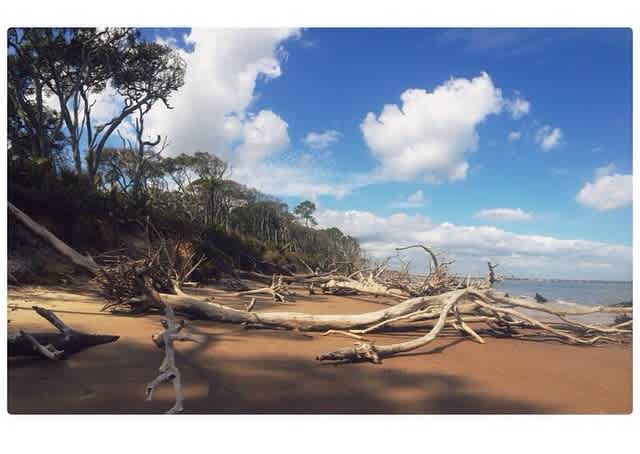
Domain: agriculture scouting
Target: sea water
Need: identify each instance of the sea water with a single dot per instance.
(583, 292)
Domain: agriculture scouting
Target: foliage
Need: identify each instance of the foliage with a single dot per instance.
(305, 210)
(61, 168)
(68, 68)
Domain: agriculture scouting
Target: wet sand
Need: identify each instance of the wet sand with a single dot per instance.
(265, 371)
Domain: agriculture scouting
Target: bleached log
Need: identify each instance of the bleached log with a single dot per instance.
(205, 310)
(371, 352)
(368, 286)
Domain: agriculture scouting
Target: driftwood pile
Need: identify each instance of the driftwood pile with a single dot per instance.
(436, 303)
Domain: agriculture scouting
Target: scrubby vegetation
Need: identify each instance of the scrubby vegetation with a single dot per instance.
(66, 170)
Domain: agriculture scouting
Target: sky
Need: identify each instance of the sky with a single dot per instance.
(503, 145)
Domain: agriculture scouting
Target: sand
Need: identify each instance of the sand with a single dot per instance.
(267, 371)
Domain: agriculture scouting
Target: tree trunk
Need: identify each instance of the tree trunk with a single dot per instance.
(85, 262)
(59, 345)
(206, 310)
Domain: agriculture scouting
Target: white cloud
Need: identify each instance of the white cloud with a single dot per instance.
(608, 191)
(503, 214)
(428, 135)
(517, 107)
(514, 135)
(548, 138)
(294, 181)
(321, 140)
(472, 246)
(212, 110)
(260, 135)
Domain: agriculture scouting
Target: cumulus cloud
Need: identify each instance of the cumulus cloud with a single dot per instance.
(259, 135)
(518, 107)
(472, 246)
(428, 135)
(548, 137)
(514, 135)
(321, 140)
(608, 191)
(213, 113)
(503, 214)
(212, 110)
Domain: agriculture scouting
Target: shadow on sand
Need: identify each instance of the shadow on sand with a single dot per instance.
(112, 378)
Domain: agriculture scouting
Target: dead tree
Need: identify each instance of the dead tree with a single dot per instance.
(492, 275)
(60, 345)
(454, 305)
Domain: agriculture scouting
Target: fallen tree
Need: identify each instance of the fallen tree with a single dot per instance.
(60, 345)
(446, 302)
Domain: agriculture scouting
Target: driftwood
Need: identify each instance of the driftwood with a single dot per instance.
(168, 370)
(173, 331)
(368, 351)
(492, 309)
(278, 290)
(442, 301)
(199, 308)
(60, 345)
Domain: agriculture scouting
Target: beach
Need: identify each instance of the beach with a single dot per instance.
(238, 370)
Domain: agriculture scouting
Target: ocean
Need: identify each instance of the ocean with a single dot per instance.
(591, 293)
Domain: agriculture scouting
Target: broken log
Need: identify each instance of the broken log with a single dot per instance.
(60, 345)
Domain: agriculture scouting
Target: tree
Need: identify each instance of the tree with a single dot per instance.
(199, 178)
(33, 128)
(305, 210)
(71, 66)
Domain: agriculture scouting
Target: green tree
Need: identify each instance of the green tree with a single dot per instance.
(305, 211)
(70, 67)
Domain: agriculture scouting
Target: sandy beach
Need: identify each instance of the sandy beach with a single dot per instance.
(265, 371)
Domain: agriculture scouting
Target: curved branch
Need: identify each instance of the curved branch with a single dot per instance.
(427, 250)
(367, 351)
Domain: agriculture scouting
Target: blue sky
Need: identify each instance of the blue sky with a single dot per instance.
(524, 157)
